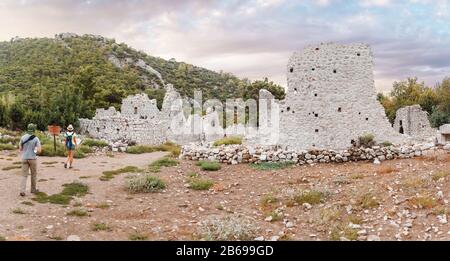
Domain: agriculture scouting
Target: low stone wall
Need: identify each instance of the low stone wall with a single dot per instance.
(236, 154)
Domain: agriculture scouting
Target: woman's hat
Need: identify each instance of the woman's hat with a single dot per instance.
(70, 127)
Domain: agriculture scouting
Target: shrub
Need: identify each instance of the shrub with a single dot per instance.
(200, 184)
(2, 238)
(95, 143)
(268, 199)
(144, 184)
(164, 162)
(11, 168)
(19, 211)
(309, 196)
(108, 175)
(78, 213)
(100, 227)
(173, 148)
(7, 147)
(368, 201)
(386, 144)
(228, 141)
(76, 189)
(367, 140)
(138, 237)
(385, 170)
(440, 175)
(209, 165)
(224, 228)
(424, 202)
(272, 165)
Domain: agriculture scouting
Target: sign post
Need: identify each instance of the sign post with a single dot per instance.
(54, 130)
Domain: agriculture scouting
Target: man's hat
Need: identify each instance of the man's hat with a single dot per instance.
(31, 128)
(70, 127)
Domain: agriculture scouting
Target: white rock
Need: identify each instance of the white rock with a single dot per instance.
(289, 225)
(269, 219)
(49, 227)
(274, 238)
(376, 161)
(307, 206)
(373, 238)
(442, 219)
(261, 238)
(73, 238)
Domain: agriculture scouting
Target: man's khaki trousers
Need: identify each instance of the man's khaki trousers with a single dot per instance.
(29, 167)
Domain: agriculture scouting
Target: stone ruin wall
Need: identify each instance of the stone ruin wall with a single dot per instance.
(413, 121)
(331, 99)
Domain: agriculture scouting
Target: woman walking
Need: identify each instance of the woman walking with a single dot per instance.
(70, 145)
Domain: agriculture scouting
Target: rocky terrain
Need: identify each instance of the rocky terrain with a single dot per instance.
(400, 199)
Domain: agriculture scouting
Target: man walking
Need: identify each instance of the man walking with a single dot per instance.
(29, 146)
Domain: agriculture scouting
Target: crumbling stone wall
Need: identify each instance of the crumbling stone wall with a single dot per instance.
(413, 121)
(331, 99)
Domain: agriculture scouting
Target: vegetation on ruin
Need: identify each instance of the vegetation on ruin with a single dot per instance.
(367, 140)
(209, 165)
(228, 141)
(171, 147)
(272, 165)
(109, 174)
(144, 184)
(95, 143)
(434, 100)
(59, 81)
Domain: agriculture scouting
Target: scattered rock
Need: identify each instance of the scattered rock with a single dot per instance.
(373, 238)
(73, 238)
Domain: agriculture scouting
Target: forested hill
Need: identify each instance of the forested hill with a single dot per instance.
(58, 80)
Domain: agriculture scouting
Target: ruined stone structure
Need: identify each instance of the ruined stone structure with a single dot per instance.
(330, 103)
(331, 99)
(444, 134)
(413, 121)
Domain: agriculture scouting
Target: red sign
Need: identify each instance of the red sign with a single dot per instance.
(54, 129)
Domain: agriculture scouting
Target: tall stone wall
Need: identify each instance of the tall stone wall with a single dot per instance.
(331, 99)
(413, 121)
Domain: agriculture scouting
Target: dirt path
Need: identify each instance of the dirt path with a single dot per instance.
(51, 176)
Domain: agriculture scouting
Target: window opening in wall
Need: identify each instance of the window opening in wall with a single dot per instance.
(135, 110)
(295, 89)
(317, 49)
(313, 69)
(118, 131)
(339, 109)
(293, 112)
(334, 71)
(353, 142)
(401, 130)
(282, 111)
(315, 94)
(359, 113)
(291, 70)
(367, 119)
(213, 124)
(288, 108)
(317, 115)
(104, 127)
(359, 54)
(98, 129)
(317, 130)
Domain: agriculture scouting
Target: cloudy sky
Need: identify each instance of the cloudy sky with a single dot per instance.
(252, 38)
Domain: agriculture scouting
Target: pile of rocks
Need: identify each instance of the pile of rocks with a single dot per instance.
(235, 154)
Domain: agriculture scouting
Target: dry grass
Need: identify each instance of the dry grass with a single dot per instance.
(426, 202)
(368, 201)
(414, 183)
(440, 175)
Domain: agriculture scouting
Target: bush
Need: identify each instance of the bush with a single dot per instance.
(209, 165)
(233, 227)
(368, 201)
(228, 141)
(309, 196)
(367, 140)
(272, 165)
(7, 147)
(386, 144)
(95, 143)
(75, 189)
(200, 184)
(173, 148)
(164, 162)
(77, 213)
(144, 184)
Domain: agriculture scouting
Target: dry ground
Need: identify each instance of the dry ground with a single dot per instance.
(399, 200)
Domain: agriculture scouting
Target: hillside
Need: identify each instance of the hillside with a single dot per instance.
(58, 80)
